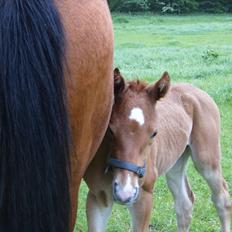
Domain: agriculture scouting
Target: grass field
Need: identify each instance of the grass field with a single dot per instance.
(194, 49)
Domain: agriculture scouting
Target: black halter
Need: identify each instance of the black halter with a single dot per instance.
(140, 171)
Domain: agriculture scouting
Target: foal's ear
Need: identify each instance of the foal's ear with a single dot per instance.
(119, 83)
(160, 88)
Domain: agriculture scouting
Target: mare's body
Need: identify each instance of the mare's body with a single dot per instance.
(89, 38)
(185, 119)
(56, 90)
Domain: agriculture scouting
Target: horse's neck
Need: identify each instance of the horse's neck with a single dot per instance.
(174, 128)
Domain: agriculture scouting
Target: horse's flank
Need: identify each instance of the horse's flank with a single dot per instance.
(89, 56)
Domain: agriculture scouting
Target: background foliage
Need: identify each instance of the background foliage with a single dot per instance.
(171, 6)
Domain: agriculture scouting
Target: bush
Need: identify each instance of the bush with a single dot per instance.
(113, 4)
(187, 6)
(212, 7)
(210, 55)
(156, 5)
(171, 6)
(133, 6)
(177, 6)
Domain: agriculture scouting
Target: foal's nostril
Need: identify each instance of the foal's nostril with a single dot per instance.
(116, 185)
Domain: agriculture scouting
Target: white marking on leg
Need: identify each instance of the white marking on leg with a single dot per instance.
(97, 213)
(100, 217)
(137, 115)
(220, 196)
(176, 180)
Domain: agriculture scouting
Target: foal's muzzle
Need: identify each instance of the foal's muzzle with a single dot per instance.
(125, 196)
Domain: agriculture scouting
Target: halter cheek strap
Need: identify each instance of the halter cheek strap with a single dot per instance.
(140, 171)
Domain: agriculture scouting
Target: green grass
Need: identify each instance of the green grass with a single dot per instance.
(194, 49)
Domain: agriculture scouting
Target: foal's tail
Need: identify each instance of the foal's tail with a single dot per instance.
(34, 132)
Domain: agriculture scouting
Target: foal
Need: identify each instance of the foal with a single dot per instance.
(152, 128)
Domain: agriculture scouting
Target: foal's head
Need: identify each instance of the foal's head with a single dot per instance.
(133, 126)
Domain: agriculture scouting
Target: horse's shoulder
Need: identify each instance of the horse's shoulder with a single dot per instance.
(183, 95)
(192, 98)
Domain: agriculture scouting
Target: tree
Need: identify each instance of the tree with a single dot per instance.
(114, 4)
(128, 5)
(171, 6)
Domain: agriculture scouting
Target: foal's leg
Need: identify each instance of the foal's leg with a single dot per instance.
(206, 154)
(141, 212)
(98, 211)
(207, 162)
(182, 194)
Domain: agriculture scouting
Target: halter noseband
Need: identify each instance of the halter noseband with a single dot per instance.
(140, 171)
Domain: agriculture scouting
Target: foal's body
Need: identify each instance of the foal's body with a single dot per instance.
(185, 118)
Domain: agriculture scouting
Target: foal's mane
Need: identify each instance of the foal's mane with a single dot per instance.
(137, 85)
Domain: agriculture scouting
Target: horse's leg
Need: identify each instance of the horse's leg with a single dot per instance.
(207, 162)
(98, 209)
(141, 212)
(182, 194)
(74, 189)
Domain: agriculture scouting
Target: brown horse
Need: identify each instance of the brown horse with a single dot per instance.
(56, 95)
(152, 129)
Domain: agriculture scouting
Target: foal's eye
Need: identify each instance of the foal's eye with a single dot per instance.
(111, 132)
(153, 135)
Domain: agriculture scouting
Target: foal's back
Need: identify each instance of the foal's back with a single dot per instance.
(184, 112)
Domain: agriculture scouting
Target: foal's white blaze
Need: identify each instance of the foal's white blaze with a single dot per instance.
(128, 187)
(137, 115)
